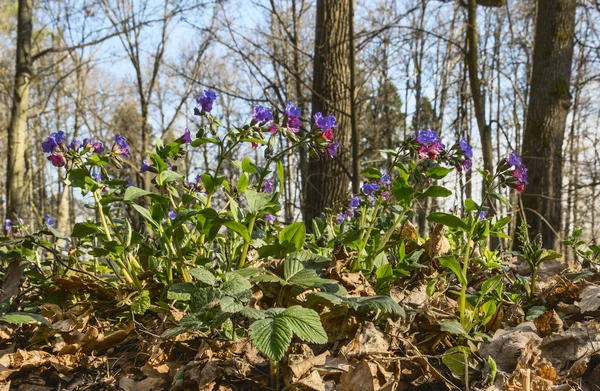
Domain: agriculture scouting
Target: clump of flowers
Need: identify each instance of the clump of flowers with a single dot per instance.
(293, 117)
(205, 102)
(431, 145)
(262, 114)
(326, 124)
(518, 173)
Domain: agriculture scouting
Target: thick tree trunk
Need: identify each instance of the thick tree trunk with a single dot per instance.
(328, 179)
(16, 183)
(549, 104)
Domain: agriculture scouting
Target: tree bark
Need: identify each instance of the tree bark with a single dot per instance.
(328, 179)
(16, 184)
(549, 105)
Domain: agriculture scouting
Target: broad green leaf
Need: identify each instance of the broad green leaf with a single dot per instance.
(203, 275)
(306, 324)
(141, 303)
(234, 283)
(371, 172)
(271, 336)
(500, 198)
(204, 298)
(242, 182)
(438, 172)
(237, 227)
(81, 230)
(293, 236)
(437, 191)
(493, 370)
(447, 219)
(181, 291)
(167, 176)
(454, 359)
(470, 205)
(20, 318)
(491, 284)
(134, 192)
(450, 262)
(453, 327)
(252, 313)
(146, 214)
(403, 192)
(385, 304)
(256, 200)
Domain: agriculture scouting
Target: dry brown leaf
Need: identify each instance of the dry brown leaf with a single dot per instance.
(437, 244)
(312, 382)
(547, 323)
(579, 340)
(148, 384)
(358, 378)
(11, 285)
(369, 340)
(506, 344)
(590, 298)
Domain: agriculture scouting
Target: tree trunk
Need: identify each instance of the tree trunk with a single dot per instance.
(16, 184)
(328, 179)
(549, 104)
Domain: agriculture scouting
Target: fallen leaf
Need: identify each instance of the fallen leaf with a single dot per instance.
(590, 298)
(358, 378)
(126, 383)
(11, 285)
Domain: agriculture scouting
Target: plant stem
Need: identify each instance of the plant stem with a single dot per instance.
(355, 266)
(532, 283)
(242, 260)
(102, 217)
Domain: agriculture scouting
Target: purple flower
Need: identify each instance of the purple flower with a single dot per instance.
(98, 177)
(520, 173)
(431, 150)
(75, 145)
(514, 159)
(385, 195)
(198, 178)
(129, 183)
(206, 101)
(268, 185)
(270, 218)
(292, 111)
(57, 160)
(467, 149)
(332, 149)
(59, 137)
(340, 218)
(7, 225)
(121, 146)
(369, 188)
(97, 147)
(386, 179)
(428, 137)
(350, 213)
(261, 114)
(49, 221)
(187, 136)
(354, 202)
(50, 145)
(324, 123)
(465, 165)
(146, 166)
(172, 215)
(293, 124)
(482, 215)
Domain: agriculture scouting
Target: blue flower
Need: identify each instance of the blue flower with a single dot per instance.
(324, 123)
(121, 146)
(146, 166)
(75, 145)
(340, 218)
(50, 145)
(332, 148)
(98, 177)
(354, 202)
(172, 214)
(270, 218)
(514, 159)
(206, 101)
(49, 221)
(467, 149)
(187, 136)
(262, 114)
(482, 215)
(268, 185)
(386, 179)
(428, 137)
(292, 111)
(7, 225)
(369, 188)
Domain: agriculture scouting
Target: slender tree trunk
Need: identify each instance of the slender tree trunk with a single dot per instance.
(549, 104)
(328, 179)
(16, 183)
(353, 107)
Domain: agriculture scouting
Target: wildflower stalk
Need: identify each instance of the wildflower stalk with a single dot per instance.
(355, 266)
(244, 253)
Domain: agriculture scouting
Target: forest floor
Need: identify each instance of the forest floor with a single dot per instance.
(551, 345)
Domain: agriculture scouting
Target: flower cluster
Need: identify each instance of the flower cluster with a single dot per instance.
(518, 178)
(327, 124)
(371, 191)
(262, 114)
(120, 147)
(60, 154)
(293, 117)
(205, 102)
(467, 150)
(431, 145)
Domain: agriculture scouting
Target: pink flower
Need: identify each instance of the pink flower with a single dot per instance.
(519, 187)
(57, 160)
(254, 145)
(273, 129)
(328, 134)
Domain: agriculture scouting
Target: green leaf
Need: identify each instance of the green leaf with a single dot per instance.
(293, 236)
(491, 284)
(181, 291)
(493, 370)
(133, 192)
(249, 167)
(306, 324)
(146, 214)
(167, 176)
(81, 230)
(21, 318)
(271, 336)
(242, 182)
(204, 299)
(256, 200)
(450, 262)
(237, 227)
(203, 275)
(403, 192)
(234, 283)
(500, 198)
(280, 172)
(453, 327)
(371, 172)
(447, 219)
(438, 172)
(141, 303)
(470, 205)
(437, 191)
(454, 359)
